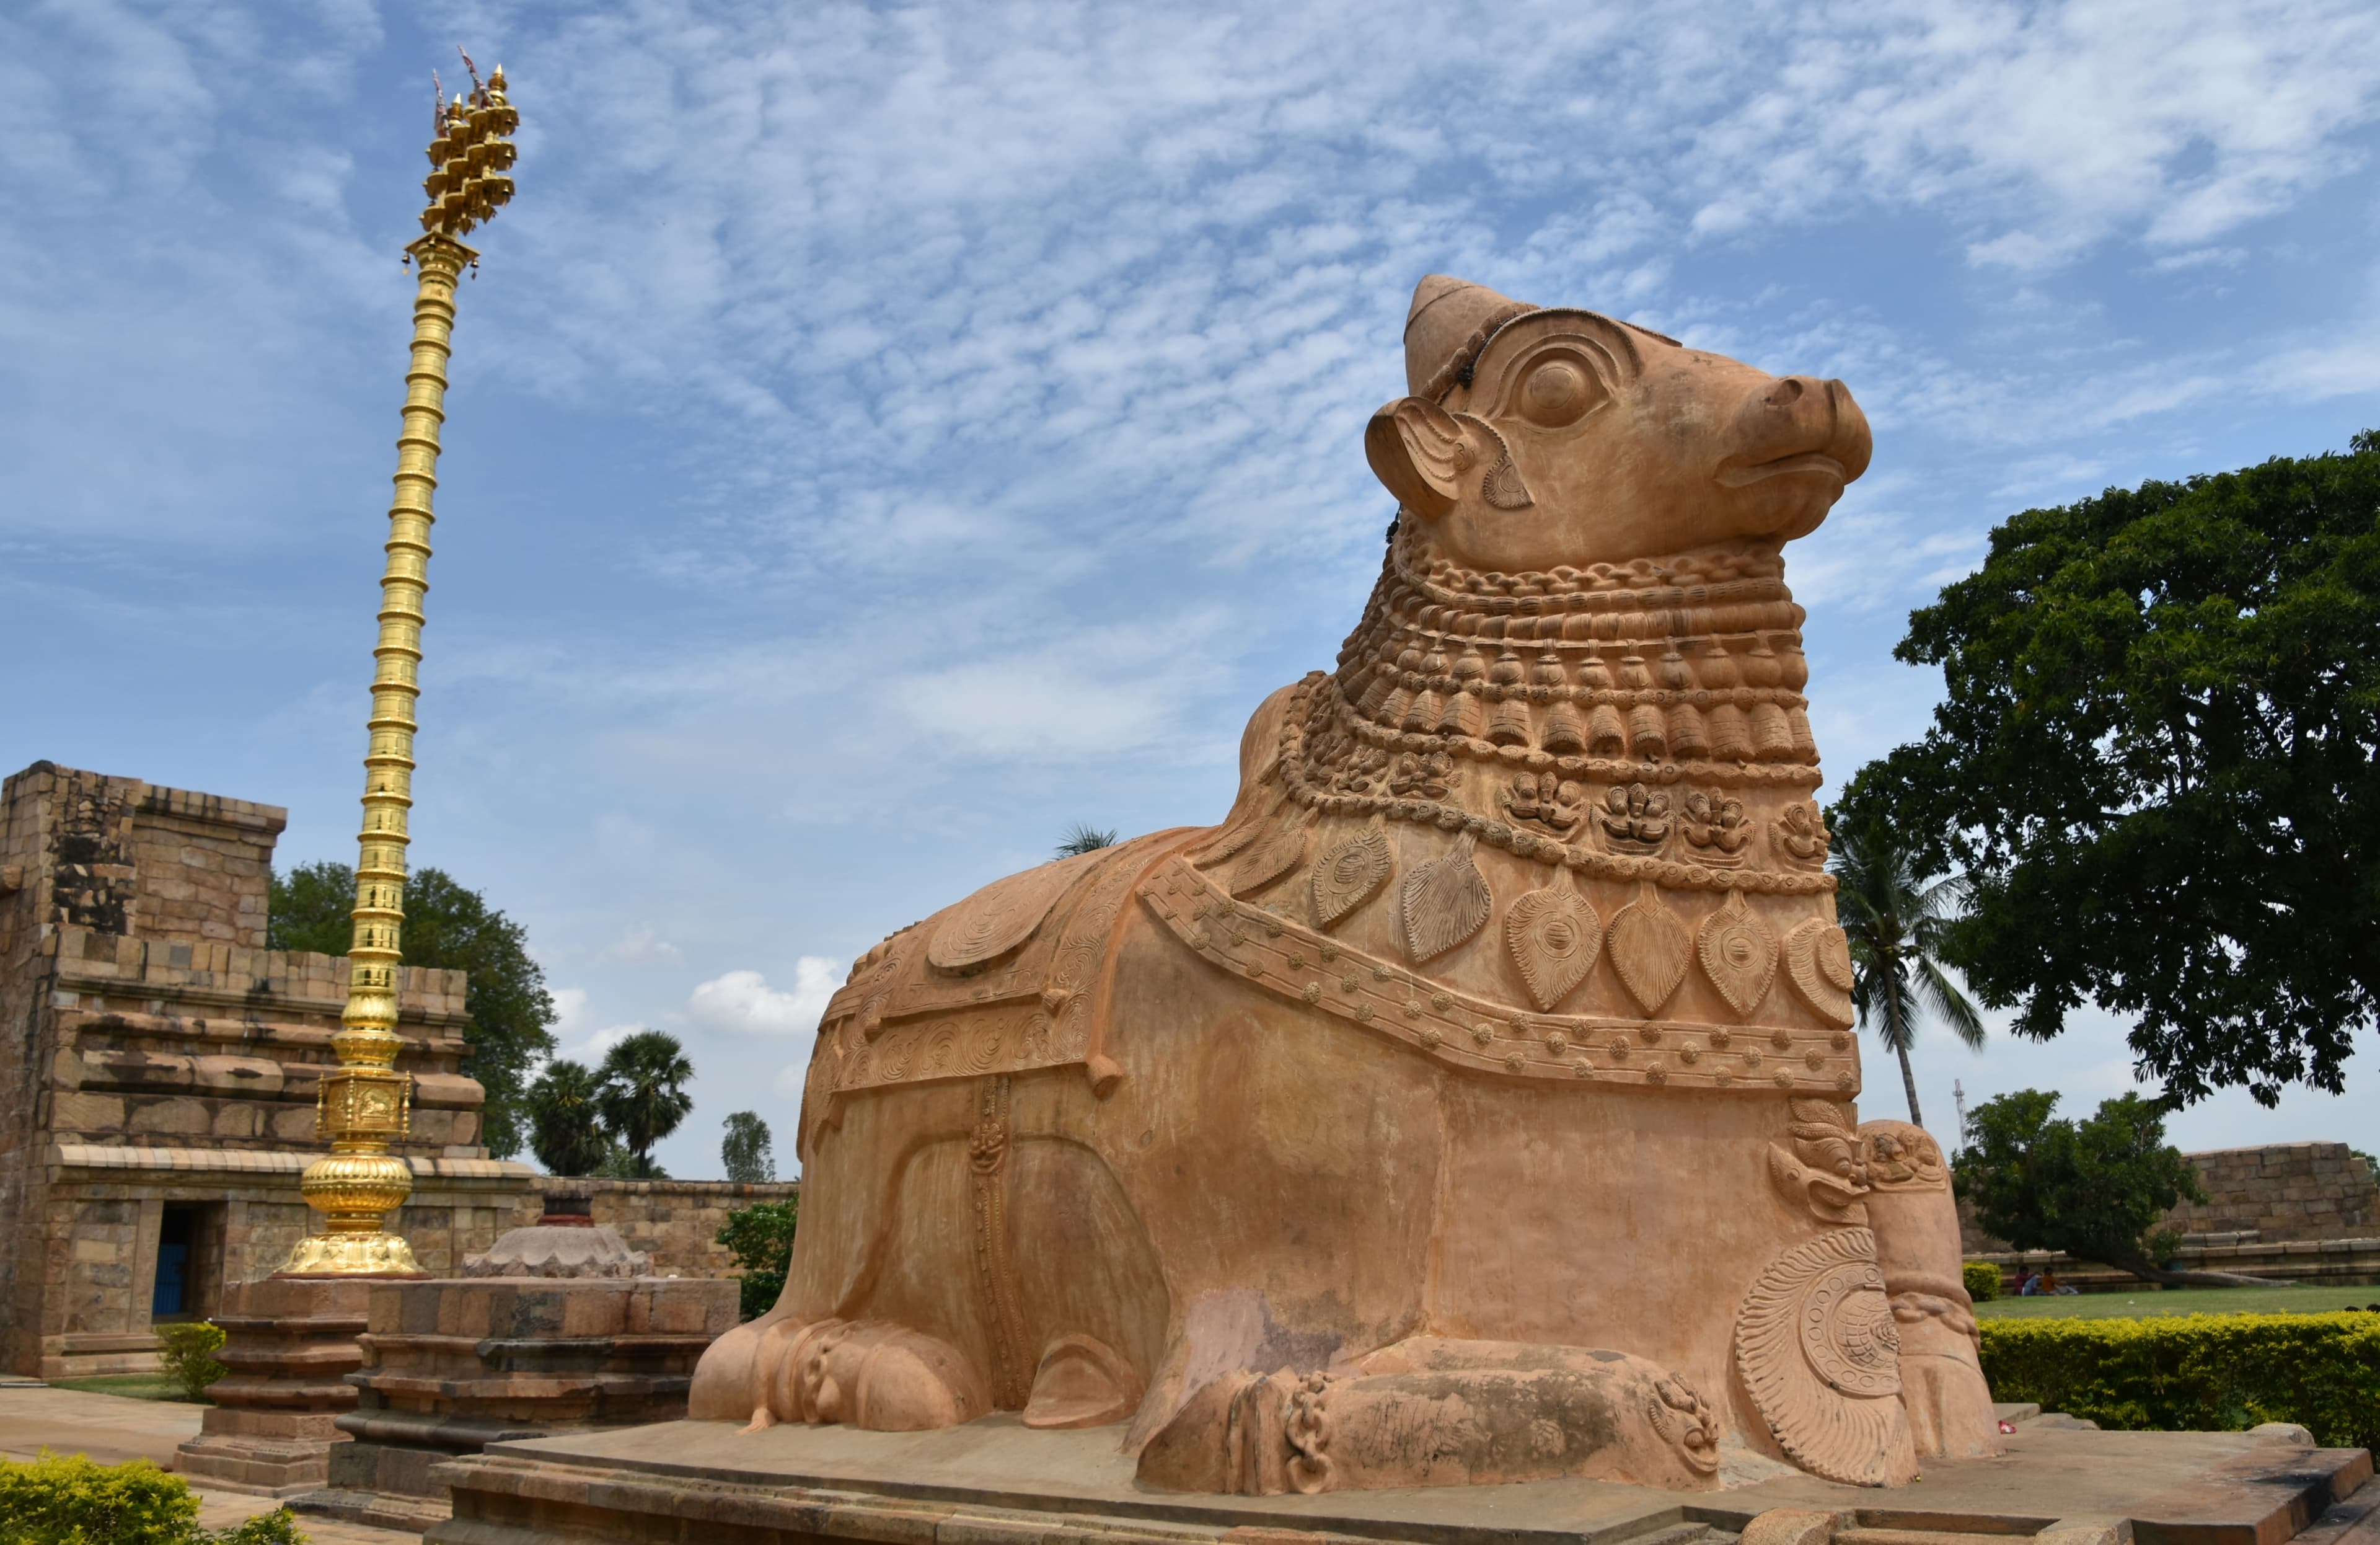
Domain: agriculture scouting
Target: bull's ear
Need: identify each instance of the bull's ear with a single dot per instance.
(1419, 452)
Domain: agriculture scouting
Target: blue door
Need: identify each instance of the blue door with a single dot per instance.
(173, 1278)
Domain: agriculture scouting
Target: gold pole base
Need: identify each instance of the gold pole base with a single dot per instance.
(352, 1255)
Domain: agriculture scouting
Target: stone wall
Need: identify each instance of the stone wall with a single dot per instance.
(2283, 1193)
(675, 1221)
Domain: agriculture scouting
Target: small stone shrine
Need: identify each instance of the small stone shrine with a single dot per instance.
(161, 1072)
(558, 1328)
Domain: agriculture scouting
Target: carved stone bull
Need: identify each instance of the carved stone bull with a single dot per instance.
(1474, 1103)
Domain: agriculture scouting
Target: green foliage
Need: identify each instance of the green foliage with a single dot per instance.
(761, 1239)
(59, 1501)
(1896, 923)
(276, 1527)
(1081, 839)
(565, 1130)
(2219, 1372)
(2094, 1189)
(2157, 762)
(1983, 1280)
(618, 1163)
(446, 928)
(185, 1356)
(746, 1153)
(643, 1097)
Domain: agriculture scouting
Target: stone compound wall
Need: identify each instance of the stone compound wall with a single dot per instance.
(673, 1221)
(2282, 1194)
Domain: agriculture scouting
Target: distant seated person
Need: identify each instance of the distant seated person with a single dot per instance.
(2050, 1285)
(2027, 1285)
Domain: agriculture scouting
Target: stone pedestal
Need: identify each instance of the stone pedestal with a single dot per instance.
(450, 1366)
(995, 1479)
(291, 1342)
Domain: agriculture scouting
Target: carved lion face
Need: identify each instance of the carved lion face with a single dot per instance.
(1574, 440)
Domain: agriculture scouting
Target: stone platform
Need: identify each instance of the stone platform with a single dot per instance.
(994, 1480)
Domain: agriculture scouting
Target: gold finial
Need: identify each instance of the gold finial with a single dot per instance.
(468, 159)
(366, 1104)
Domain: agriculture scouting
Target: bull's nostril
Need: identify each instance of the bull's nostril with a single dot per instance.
(1785, 394)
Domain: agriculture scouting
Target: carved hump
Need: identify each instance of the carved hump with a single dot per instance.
(1446, 902)
(1350, 873)
(1737, 953)
(1648, 949)
(1819, 964)
(1818, 1346)
(1002, 915)
(1554, 937)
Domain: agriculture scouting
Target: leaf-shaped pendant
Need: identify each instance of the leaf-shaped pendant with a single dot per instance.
(1445, 901)
(1554, 937)
(1737, 953)
(1350, 873)
(1648, 949)
(1819, 964)
(1280, 851)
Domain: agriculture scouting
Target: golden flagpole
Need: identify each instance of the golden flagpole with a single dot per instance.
(366, 1104)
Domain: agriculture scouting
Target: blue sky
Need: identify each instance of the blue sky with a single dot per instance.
(882, 437)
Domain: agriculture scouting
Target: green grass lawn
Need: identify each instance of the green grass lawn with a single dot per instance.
(2182, 1300)
(138, 1386)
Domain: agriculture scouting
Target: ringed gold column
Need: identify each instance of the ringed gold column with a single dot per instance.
(366, 1104)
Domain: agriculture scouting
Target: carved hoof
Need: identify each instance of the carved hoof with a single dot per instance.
(1081, 1383)
(730, 1382)
(868, 1374)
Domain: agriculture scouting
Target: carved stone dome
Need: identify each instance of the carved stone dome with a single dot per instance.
(549, 1250)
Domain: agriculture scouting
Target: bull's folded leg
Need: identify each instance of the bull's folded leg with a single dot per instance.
(1432, 1412)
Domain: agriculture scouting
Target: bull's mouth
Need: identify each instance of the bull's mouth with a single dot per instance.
(1806, 461)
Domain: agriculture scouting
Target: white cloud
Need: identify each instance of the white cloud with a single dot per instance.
(641, 946)
(743, 1001)
(881, 436)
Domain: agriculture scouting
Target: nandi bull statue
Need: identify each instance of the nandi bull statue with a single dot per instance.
(1474, 1104)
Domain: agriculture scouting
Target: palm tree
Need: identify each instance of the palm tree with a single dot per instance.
(1896, 923)
(644, 1097)
(1082, 839)
(566, 1133)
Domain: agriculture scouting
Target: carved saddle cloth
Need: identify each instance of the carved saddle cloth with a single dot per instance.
(1006, 980)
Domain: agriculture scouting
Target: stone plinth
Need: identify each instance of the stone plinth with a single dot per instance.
(997, 1479)
(290, 1344)
(452, 1365)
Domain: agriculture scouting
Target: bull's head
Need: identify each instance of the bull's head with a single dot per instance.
(1536, 439)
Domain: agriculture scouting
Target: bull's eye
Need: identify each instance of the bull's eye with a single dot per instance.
(1557, 392)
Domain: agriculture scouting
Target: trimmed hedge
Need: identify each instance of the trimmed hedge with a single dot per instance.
(58, 1500)
(1983, 1280)
(2199, 1372)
